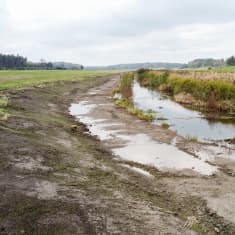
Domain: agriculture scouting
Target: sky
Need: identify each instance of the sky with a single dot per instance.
(104, 32)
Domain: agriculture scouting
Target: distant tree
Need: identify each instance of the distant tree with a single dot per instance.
(12, 62)
(230, 61)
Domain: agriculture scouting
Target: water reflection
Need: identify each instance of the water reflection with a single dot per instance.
(186, 122)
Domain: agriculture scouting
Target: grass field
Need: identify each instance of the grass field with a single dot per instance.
(225, 69)
(16, 79)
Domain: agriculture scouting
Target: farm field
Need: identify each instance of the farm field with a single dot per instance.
(14, 79)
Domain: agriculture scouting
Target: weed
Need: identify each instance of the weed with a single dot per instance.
(125, 103)
(165, 125)
(198, 229)
(4, 114)
(125, 86)
(191, 138)
(4, 101)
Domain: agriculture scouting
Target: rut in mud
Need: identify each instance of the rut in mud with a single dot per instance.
(55, 181)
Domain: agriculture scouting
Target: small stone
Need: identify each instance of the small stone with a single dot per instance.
(217, 230)
(73, 128)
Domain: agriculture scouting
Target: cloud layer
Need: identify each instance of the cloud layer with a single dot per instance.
(108, 31)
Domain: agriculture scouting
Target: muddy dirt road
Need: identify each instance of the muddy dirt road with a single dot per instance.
(55, 181)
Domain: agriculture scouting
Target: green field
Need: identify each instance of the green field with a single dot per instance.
(225, 69)
(16, 79)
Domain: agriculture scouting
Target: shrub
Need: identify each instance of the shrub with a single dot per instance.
(165, 125)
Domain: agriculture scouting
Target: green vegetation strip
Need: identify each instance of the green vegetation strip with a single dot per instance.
(125, 103)
(125, 91)
(217, 94)
(17, 79)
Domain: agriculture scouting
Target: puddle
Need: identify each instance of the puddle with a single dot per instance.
(138, 170)
(136, 147)
(142, 149)
(81, 108)
(96, 127)
(210, 153)
(185, 122)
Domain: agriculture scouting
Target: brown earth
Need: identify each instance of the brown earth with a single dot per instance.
(57, 181)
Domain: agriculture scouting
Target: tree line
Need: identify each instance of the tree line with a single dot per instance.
(20, 62)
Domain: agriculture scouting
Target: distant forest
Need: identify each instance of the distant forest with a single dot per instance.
(20, 62)
(195, 64)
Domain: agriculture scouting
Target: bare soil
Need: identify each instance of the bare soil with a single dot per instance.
(57, 181)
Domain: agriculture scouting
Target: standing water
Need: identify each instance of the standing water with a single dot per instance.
(185, 122)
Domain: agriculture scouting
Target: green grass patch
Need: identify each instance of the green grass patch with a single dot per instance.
(126, 104)
(4, 114)
(198, 229)
(225, 69)
(191, 138)
(16, 79)
(165, 125)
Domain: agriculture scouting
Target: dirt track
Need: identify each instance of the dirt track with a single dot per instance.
(54, 181)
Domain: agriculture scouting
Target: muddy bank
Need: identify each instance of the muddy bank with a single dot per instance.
(57, 181)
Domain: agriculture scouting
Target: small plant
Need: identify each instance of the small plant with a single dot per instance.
(116, 94)
(162, 119)
(165, 125)
(4, 101)
(125, 103)
(4, 113)
(191, 138)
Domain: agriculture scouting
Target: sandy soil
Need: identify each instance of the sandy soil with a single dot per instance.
(57, 181)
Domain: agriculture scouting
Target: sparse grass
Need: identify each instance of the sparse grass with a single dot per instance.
(198, 229)
(17, 79)
(4, 100)
(225, 69)
(162, 119)
(165, 125)
(126, 104)
(125, 85)
(192, 138)
(4, 112)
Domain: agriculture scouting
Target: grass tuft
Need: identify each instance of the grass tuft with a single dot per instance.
(126, 104)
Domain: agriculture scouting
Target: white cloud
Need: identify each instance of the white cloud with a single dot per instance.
(111, 31)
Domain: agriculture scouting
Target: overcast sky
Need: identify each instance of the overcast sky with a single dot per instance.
(103, 32)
